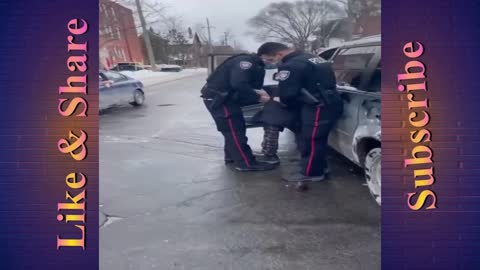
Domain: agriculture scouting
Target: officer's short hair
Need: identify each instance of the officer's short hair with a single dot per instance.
(271, 48)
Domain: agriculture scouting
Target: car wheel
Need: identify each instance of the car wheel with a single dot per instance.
(373, 173)
(138, 98)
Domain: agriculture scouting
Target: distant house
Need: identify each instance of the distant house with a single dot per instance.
(118, 35)
(221, 53)
(159, 47)
(227, 49)
(337, 32)
(166, 52)
(368, 26)
(186, 54)
(342, 30)
(195, 52)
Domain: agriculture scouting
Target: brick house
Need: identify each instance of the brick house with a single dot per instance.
(118, 35)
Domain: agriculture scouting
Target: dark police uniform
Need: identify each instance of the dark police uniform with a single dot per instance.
(229, 87)
(307, 83)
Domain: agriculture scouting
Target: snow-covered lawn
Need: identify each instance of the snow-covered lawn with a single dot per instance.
(148, 77)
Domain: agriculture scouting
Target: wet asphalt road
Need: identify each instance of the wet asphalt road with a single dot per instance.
(170, 203)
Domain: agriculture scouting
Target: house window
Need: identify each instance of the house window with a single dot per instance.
(122, 53)
(117, 32)
(112, 11)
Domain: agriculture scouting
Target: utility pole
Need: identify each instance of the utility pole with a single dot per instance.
(226, 38)
(146, 36)
(209, 36)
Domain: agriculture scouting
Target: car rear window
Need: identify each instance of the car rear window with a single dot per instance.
(116, 77)
(350, 63)
(327, 55)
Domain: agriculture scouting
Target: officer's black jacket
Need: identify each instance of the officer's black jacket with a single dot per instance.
(239, 75)
(303, 70)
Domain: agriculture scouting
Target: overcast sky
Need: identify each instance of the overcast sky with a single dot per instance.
(223, 15)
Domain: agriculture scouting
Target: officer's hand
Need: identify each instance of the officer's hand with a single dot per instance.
(264, 99)
(262, 92)
(263, 96)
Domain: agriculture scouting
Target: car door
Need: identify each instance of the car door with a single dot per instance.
(369, 113)
(105, 95)
(121, 91)
(352, 66)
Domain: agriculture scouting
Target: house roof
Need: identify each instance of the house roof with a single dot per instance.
(368, 25)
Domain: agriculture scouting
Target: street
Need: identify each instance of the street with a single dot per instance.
(168, 201)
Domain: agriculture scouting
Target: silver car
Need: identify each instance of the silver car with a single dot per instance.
(357, 66)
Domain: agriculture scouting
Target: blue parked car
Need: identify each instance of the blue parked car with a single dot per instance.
(118, 89)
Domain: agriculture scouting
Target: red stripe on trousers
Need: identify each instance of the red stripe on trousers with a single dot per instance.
(312, 147)
(232, 130)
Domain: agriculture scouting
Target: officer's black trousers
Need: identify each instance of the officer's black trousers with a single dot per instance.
(230, 122)
(317, 121)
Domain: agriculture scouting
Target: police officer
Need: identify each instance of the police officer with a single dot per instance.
(235, 83)
(307, 84)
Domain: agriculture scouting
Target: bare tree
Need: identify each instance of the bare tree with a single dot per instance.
(174, 22)
(357, 9)
(177, 39)
(296, 22)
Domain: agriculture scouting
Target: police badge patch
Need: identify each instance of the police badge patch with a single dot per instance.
(282, 75)
(245, 65)
(316, 60)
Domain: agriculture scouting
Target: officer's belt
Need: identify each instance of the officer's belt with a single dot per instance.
(209, 92)
(308, 98)
(322, 97)
(217, 97)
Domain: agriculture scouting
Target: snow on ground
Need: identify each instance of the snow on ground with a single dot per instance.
(169, 66)
(148, 77)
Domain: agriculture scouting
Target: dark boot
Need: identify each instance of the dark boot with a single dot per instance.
(299, 177)
(257, 166)
(274, 160)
